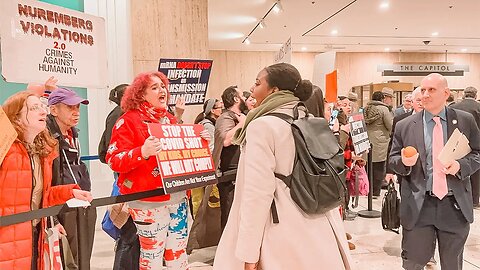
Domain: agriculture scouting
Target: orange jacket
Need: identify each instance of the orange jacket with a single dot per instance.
(15, 197)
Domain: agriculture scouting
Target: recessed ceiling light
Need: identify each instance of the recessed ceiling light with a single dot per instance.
(247, 41)
(262, 24)
(464, 50)
(334, 32)
(278, 7)
(435, 34)
(384, 5)
(387, 49)
(304, 48)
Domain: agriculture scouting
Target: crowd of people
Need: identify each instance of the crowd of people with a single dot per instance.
(249, 148)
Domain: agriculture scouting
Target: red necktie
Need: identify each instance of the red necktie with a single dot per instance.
(439, 187)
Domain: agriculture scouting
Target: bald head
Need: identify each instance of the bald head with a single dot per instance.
(437, 78)
(434, 93)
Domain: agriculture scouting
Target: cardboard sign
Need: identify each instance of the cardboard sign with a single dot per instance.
(8, 134)
(188, 78)
(185, 161)
(40, 40)
(358, 132)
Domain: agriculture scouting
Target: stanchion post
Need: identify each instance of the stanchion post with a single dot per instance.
(370, 213)
(82, 226)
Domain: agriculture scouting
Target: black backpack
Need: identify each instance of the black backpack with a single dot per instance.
(317, 182)
(391, 210)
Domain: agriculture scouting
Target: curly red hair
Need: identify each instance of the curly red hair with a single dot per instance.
(134, 94)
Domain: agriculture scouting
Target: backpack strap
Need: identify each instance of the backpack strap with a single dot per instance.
(285, 117)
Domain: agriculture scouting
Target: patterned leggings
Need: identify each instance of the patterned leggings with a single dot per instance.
(162, 233)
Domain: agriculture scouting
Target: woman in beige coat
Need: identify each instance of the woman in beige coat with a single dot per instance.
(251, 240)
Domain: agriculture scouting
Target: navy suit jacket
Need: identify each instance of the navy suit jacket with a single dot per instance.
(409, 132)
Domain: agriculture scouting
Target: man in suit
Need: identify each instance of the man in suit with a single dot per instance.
(436, 198)
(406, 106)
(469, 104)
(416, 98)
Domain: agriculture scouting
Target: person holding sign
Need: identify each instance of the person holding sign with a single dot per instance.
(25, 183)
(251, 240)
(161, 221)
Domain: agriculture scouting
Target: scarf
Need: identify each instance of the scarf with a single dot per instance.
(268, 105)
(155, 114)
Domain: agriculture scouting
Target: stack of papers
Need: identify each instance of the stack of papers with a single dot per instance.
(456, 148)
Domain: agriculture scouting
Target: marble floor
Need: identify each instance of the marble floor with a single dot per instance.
(376, 249)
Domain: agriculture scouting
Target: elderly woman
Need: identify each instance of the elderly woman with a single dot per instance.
(251, 240)
(25, 182)
(161, 221)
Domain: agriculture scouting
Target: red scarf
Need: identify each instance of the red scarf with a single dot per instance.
(156, 114)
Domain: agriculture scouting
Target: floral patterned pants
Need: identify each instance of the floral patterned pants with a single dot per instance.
(162, 233)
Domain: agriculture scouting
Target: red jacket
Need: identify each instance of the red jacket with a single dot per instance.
(124, 156)
(15, 197)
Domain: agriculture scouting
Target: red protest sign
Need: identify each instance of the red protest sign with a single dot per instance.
(185, 161)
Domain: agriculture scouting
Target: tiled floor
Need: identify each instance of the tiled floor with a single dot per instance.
(376, 249)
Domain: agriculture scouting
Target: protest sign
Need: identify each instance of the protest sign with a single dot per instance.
(40, 40)
(185, 161)
(358, 132)
(188, 78)
(8, 134)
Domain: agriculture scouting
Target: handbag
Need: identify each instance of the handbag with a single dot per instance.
(391, 210)
(52, 258)
(107, 224)
(358, 181)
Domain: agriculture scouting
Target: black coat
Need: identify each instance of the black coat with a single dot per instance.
(107, 133)
(67, 167)
(469, 105)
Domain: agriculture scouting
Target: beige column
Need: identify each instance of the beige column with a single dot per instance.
(169, 29)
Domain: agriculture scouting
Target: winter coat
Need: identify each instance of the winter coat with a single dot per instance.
(298, 241)
(379, 121)
(107, 133)
(16, 187)
(124, 156)
(67, 167)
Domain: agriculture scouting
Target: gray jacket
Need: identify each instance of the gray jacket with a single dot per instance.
(379, 121)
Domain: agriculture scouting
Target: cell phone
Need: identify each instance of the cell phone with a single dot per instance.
(332, 118)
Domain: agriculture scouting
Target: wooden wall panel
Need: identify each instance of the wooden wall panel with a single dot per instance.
(241, 68)
(169, 29)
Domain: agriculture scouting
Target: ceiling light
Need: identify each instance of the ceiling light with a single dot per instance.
(435, 34)
(384, 5)
(334, 32)
(247, 40)
(262, 24)
(278, 7)
(304, 48)
(464, 50)
(387, 49)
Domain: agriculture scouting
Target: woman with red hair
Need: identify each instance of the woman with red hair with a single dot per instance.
(25, 183)
(161, 221)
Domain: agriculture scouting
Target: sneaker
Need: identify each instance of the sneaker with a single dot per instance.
(351, 246)
(349, 236)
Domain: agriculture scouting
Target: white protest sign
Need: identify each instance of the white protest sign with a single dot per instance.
(358, 132)
(40, 40)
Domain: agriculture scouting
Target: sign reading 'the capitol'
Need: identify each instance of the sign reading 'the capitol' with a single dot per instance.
(422, 69)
